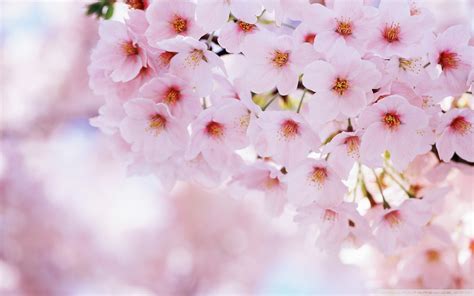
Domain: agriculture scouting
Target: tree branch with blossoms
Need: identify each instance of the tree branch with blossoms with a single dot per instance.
(302, 102)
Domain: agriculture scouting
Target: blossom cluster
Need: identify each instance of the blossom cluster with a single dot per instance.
(332, 110)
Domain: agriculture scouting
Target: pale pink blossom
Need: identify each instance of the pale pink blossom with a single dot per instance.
(276, 61)
(264, 177)
(193, 62)
(283, 136)
(152, 130)
(344, 152)
(174, 92)
(456, 134)
(342, 85)
(397, 31)
(168, 19)
(119, 52)
(213, 14)
(314, 180)
(392, 125)
(348, 21)
(218, 131)
(453, 56)
(233, 35)
(336, 224)
(399, 227)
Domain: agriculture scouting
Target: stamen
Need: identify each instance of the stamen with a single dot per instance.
(157, 123)
(344, 28)
(448, 60)
(246, 27)
(460, 125)
(130, 48)
(340, 86)
(432, 255)
(289, 129)
(391, 120)
(319, 175)
(352, 145)
(393, 218)
(179, 24)
(391, 33)
(280, 59)
(172, 96)
(136, 4)
(214, 129)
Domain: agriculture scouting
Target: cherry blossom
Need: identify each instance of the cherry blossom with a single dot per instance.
(456, 134)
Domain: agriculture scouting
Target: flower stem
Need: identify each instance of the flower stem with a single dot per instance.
(386, 205)
(269, 102)
(301, 101)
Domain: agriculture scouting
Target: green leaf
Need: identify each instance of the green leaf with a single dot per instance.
(110, 12)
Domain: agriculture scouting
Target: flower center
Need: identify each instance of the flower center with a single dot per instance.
(432, 255)
(330, 215)
(129, 48)
(196, 56)
(157, 123)
(173, 95)
(340, 86)
(271, 182)
(460, 125)
(319, 175)
(246, 27)
(166, 57)
(391, 33)
(215, 129)
(136, 4)
(352, 145)
(344, 28)
(393, 218)
(309, 38)
(289, 129)
(280, 59)
(179, 24)
(448, 60)
(391, 120)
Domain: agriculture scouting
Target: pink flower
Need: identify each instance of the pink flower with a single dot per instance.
(391, 124)
(342, 85)
(349, 21)
(344, 152)
(213, 14)
(152, 130)
(233, 35)
(275, 61)
(225, 90)
(193, 62)
(456, 134)
(174, 92)
(218, 131)
(169, 19)
(335, 224)
(264, 177)
(314, 180)
(119, 52)
(400, 227)
(110, 116)
(397, 30)
(453, 55)
(284, 136)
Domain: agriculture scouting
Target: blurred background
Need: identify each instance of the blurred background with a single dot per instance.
(73, 223)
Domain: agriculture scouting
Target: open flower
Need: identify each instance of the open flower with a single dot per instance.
(345, 151)
(213, 14)
(276, 61)
(119, 52)
(152, 130)
(168, 19)
(398, 227)
(173, 91)
(233, 35)
(453, 55)
(335, 224)
(314, 180)
(456, 134)
(342, 85)
(283, 136)
(193, 62)
(392, 125)
(349, 21)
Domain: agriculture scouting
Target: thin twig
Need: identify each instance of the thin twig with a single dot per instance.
(301, 102)
(379, 185)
